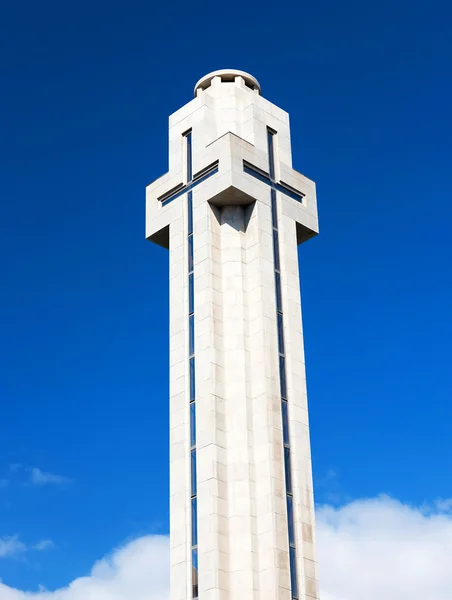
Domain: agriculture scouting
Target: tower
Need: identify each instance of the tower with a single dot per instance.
(231, 211)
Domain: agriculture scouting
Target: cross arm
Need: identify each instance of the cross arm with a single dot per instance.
(219, 177)
(304, 214)
(297, 192)
(158, 216)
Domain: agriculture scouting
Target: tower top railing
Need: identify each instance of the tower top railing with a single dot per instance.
(228, 75)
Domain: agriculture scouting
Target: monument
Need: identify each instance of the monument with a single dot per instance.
(231, 211)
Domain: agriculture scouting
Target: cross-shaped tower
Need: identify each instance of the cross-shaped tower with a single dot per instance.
(231, 211)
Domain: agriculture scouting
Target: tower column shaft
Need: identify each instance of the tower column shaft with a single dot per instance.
(301, 465)
(271, 521)
(179, 414)
(211, 407)
(239, 424)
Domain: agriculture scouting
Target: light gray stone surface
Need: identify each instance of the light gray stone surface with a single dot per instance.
(242, 516)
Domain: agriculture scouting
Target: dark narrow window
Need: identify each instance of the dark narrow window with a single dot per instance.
(191, 335)
(194, 520)
(193, 472)
(194, 562)
(280, 334)
(192, 424)
(192, 379)
(189, 157)
(190, 253)
(274, 215)
(278, 292)
(285, 422)
(291, 520)
(191, 294)
(282, 377)
(276, 249)
(287, 470)
(190, 213)
(191, 358)
(293, 573)
(282, 363)
(271, 153)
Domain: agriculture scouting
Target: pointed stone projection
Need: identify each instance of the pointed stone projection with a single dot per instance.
(232, 210)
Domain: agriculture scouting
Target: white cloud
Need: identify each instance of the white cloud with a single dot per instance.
(381, 548)
(369, 549)
(38, 477)
(44, 545)
(11, 546)
(138, 571)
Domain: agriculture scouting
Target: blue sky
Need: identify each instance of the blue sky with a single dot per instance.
(86, 92)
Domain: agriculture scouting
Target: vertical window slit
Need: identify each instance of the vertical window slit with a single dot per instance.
(282, 372)
(191, 374)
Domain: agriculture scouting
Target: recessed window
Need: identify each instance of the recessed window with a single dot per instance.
(193, 472)
(280, 333)
(271, 153)
(194, 562)
(192, 424)
(290, 521)
(287, 470)
(282, 377)
(190, 213)
(274, 210)
(293, 573)
(191, 294)
(285, 422)
(189, 156)
(278, 292)
(191, 335)
(191, 349)
(276, 249)
(192, 379)
(194, 521)
(190, 254)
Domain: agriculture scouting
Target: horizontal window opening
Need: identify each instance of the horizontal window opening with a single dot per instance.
(289, 188)
(298, 196)
(255, 170)
(171, 192)
(207, 170)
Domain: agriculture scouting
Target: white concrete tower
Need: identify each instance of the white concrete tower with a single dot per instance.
(231, 211)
